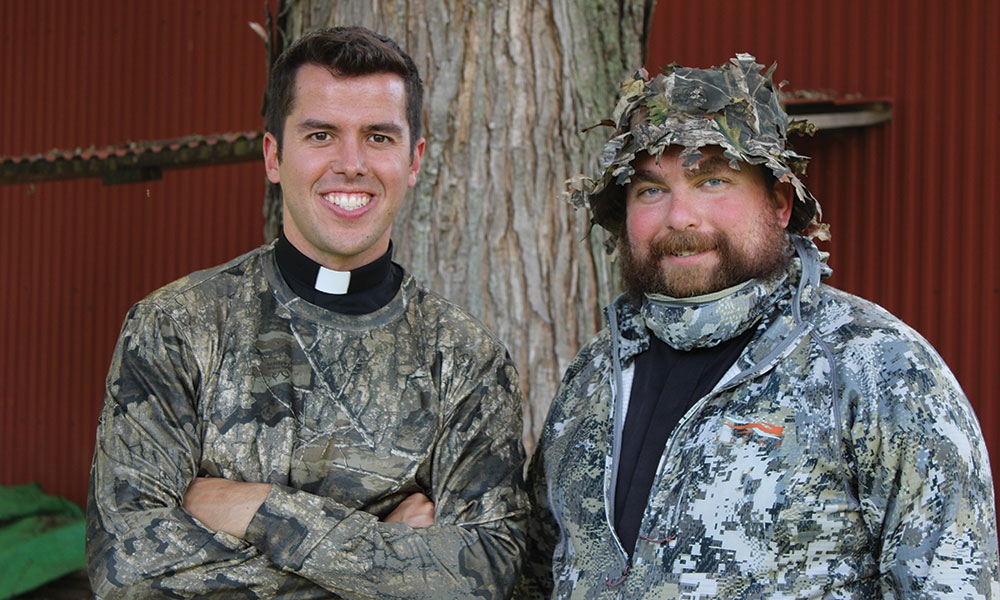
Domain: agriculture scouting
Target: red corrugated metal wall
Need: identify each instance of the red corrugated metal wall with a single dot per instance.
(912, 203)
(75, 255)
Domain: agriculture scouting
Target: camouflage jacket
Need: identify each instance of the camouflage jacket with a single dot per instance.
(227, 373)
(837, 458)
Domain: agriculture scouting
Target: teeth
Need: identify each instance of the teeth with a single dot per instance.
(683, 254)
(348, 201)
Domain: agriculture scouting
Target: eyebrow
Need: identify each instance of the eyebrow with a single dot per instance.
(644, 176)
(388, 128)
(710, 165)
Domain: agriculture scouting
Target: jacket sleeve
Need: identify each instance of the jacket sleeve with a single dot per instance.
(923, 474)
(547, 550)
(474, 548)
(140, 541)
(536, 577)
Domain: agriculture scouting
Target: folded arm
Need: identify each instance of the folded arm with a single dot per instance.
(140, 541)
(464, 538)
(472, 549)
(224, 505)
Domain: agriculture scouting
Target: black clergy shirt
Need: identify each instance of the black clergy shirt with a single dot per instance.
(371, 287)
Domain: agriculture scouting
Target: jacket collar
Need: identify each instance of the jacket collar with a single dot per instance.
(781, 313)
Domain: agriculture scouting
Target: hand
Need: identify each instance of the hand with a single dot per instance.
(224, 505)
(416, 510)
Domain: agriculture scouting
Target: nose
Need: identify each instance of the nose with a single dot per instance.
(348, 159)
(682, 211)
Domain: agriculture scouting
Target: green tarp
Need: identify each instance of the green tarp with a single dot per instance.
(41, 538)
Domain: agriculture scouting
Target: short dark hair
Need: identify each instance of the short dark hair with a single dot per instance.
(344, 52)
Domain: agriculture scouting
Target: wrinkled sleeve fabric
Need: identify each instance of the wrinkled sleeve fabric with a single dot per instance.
(536, 580)
(544, 554)
(474, 548)
(923, 473)
(140, 541)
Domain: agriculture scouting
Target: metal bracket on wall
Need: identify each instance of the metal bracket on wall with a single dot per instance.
(826, 111)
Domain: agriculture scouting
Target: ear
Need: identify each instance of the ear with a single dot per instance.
(271, 160)
(783, 198)
(418, 153)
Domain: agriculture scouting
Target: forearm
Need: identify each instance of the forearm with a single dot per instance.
(140, 544)
(153, 564)
(140, 541)
(536, 580)
(355, 555)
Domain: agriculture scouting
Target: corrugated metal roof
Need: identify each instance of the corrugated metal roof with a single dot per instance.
(133, 161)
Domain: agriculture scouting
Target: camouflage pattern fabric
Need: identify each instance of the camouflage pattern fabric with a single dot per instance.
(226, 373)
(838, 458)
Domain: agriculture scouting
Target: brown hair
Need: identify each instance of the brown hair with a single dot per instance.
(344, 52)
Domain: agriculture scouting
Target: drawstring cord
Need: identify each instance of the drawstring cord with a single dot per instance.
(608, 582)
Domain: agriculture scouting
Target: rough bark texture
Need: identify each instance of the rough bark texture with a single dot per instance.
(510, 85)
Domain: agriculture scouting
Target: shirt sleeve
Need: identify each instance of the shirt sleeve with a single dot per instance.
(923, 476)
(474, 547)
(140, 541)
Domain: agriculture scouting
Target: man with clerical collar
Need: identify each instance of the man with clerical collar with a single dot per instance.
(307, 420)
(740, 429)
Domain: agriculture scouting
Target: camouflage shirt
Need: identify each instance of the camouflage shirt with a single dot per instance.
(837, 458)
(226, 373)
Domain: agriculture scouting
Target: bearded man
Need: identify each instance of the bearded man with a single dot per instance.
(739, 429)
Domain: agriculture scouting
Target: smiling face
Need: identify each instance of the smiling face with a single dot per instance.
(698, 230)
(345, 165)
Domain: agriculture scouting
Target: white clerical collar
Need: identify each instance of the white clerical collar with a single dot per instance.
(332, 282)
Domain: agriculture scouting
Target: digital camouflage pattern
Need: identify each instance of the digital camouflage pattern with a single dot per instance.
(734, 106)
(838, 458)
(227, 373)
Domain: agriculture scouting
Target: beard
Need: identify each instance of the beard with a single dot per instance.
(767, 257)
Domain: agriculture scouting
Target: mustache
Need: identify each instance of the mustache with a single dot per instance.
(682, 242)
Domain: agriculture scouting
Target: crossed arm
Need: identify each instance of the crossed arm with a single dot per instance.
(229, 506)
(154, 525)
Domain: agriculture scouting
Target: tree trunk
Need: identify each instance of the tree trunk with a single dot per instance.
(510, 85)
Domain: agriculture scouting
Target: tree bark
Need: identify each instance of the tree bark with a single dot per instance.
(510, 86)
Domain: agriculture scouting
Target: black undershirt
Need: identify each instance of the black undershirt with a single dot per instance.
(372, 286)
(667, 383)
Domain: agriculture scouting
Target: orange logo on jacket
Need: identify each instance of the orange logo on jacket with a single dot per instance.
(764, 429)
(759, 432)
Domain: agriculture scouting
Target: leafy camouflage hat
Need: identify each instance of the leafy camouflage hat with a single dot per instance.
(733, 106)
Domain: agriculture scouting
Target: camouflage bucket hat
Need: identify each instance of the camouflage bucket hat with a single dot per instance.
(733, 106)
